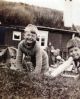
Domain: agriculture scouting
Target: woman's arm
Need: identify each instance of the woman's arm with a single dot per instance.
(60, 69)
(19, 58)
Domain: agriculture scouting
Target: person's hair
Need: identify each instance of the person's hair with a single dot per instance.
(74, 42)
(30, 28)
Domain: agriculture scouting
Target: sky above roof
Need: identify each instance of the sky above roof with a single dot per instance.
(54, 4)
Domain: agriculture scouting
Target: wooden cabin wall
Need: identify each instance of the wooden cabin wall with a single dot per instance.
(55, 39)
(65, 38)
(9, 41)
(2, 36)
(59, 41)
(6, 37)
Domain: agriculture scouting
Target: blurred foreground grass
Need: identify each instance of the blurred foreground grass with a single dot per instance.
(21, 85)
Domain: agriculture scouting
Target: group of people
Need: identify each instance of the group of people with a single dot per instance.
(32, 58)
(55, 58)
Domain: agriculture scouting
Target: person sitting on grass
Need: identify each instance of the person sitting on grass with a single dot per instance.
(30, 55)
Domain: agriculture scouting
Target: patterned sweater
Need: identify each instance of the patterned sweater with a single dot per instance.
(41, 58)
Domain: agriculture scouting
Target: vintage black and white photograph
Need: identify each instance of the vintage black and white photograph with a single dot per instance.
(39, 49)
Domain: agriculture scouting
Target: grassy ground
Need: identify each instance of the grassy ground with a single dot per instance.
(20, 85)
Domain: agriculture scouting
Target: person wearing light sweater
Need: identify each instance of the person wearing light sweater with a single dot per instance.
(30, 55)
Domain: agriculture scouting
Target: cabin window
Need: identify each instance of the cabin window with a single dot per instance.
(43, 42)
(42, 38)
(16, 36)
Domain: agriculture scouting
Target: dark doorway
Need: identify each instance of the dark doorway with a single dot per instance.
(2, 35)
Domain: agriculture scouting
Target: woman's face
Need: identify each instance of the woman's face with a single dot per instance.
(74, 52)
(30, 37)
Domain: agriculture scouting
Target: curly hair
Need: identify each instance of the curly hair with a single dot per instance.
(30, 28)
(74, 42)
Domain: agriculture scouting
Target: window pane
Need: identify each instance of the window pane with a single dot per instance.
(43, 39)
(42, 43)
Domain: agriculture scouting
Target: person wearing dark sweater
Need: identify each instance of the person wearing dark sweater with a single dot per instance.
(30, 56)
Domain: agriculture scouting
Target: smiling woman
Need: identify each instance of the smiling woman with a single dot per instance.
(36, 57)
